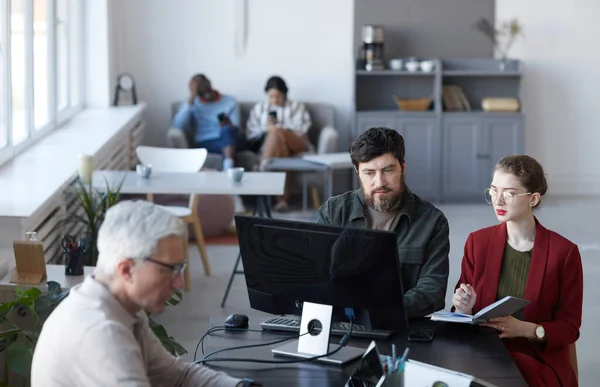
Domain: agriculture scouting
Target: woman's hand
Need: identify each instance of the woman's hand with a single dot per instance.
(464, 299)
(193, 90)
(510, 327)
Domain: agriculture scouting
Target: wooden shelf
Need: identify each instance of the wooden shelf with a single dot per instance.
(395, 73)
(481, 113)
(475, 73)
(400, 113)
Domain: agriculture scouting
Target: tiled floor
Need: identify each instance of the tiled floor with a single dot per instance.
(575, 218)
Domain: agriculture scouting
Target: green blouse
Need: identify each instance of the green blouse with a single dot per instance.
(513, 275)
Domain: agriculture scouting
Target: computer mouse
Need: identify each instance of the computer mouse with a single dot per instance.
(239, 321)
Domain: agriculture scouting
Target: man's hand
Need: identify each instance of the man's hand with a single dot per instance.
(464, 299)
(225, 122)
(510, 327)
(193, 90)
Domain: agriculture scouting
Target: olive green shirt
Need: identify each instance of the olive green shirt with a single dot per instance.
(513, 275)
(422, 240)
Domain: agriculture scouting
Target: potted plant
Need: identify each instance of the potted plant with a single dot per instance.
(29, 309)
(502, 37)
(94, 203)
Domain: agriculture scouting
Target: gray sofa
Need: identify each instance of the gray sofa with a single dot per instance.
(322, 133)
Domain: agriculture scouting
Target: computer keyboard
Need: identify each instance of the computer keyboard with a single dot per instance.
(337, 329)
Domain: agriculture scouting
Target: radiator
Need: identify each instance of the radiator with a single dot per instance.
(50, 223)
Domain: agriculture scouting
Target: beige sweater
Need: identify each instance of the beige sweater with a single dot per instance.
(90, 340)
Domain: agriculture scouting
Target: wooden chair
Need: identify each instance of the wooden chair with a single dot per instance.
(184, 161)
(573, 358)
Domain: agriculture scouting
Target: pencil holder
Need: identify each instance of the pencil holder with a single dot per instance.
(73, 263)
(395, 379)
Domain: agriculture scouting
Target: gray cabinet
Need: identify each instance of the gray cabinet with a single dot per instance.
(473, 144)
(451, 150)
(505, 136)
(422, 140)
(365, 121)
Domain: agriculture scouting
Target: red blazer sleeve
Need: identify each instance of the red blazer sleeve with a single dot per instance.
(564, 330)
(467, 267)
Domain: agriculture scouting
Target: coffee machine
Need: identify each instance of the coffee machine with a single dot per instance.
(371, 53)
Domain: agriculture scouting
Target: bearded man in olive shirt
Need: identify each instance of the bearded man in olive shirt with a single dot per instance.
(384, 202)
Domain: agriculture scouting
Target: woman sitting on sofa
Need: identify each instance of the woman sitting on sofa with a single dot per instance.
(278, 127)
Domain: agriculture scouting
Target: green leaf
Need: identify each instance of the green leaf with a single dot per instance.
(10, 333)
(18, 357)
(167, 341)
(32, 293)
(176, 298)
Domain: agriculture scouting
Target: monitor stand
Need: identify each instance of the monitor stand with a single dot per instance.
(314, 344)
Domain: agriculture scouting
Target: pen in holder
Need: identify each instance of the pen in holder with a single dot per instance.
(74, 254)
(395, 379)
(393, 369)
(376, 370)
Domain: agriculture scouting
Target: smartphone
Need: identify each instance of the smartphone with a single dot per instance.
(421, 334)
(221, 117)
(273, 114)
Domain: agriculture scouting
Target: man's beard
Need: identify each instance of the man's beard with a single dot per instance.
(383, 204)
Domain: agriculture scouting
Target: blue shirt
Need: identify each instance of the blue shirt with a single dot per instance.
(203, 117)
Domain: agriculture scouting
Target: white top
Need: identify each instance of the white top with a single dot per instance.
(332, 160)
(292, 115)
(90, 340)
(200, 183)
(34, 176)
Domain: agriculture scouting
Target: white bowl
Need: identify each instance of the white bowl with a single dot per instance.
(427, 66)
(412, 66)
(396, 64)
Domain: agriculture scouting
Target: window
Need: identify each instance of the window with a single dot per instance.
(18, 71)
(3, 58)
(41, 63)
(62, 53)
(40, 69)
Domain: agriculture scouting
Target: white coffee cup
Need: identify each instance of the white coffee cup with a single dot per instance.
(235, 174)
(143, 171)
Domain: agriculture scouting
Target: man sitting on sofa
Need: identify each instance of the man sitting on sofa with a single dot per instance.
(214, 118)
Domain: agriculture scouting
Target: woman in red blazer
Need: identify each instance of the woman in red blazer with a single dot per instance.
(522, 258)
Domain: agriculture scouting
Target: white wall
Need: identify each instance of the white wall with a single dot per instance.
(97, 75)
(162, 43)
(561, 87)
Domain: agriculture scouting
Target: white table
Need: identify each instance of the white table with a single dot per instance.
(331, 162)
(259, 184)
(54, 273)
(200, 183)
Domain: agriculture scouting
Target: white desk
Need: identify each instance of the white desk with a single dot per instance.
(54, 273)
(201, 183)
(259, 184)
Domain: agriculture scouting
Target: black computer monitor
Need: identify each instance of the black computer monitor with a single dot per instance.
(289, 262)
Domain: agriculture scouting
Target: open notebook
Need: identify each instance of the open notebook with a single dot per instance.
(504, 307)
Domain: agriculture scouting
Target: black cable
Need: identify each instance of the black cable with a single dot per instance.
(343, 343)
(252, 345)
(223, 328)
(216, 329)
